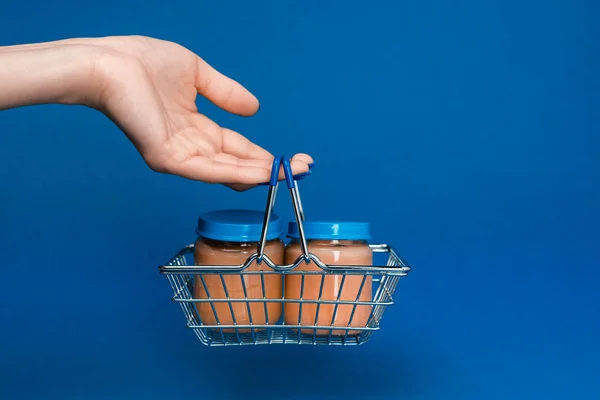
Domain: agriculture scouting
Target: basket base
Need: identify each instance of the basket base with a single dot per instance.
(214, 337)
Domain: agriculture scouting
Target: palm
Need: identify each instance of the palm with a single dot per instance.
(150, 93)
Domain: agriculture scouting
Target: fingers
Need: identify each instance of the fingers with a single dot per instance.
(238, 146)
(241, 149)
(224, 91)
(213, 154)
(304, 157)
(212, 171)
(229, 170)
(298, 165)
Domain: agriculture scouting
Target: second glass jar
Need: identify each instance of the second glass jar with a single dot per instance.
(335, 243)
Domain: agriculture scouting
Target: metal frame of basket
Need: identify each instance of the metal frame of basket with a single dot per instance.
(182, 275)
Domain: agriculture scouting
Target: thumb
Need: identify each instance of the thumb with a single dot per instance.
(224, 91)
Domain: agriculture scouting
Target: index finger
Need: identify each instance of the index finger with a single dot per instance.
(224, 91)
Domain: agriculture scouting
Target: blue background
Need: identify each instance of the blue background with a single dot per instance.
(466, 132)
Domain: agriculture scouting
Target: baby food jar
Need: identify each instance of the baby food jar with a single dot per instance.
(229, 237)
(335, 243)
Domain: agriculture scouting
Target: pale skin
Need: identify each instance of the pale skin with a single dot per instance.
(148, 88)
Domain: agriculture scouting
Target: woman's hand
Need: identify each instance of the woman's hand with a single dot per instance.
(148, 87)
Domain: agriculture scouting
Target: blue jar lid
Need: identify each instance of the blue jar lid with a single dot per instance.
(236, 226)
(322, 230)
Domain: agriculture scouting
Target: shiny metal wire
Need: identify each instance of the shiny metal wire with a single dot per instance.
(183, 275)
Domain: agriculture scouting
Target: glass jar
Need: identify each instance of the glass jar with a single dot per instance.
(229, 237)
(335, 243)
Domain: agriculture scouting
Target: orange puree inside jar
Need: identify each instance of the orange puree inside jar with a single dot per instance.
(334, 243)
(229, 238)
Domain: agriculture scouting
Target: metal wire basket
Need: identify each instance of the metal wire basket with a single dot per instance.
(335, 329)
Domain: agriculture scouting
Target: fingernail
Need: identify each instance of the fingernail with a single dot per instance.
(303, 175)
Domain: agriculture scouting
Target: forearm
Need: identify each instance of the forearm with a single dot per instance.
(56, 72)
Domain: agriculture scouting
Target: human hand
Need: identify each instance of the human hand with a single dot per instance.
(148, 87)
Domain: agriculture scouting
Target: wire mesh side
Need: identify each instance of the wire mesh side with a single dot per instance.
(222, 320)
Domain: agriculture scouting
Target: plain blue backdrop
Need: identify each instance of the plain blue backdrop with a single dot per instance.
(466, 132)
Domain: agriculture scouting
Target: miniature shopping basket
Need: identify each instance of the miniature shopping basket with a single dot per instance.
(182, 273)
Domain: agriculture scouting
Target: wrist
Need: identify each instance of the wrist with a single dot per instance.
(57, 72)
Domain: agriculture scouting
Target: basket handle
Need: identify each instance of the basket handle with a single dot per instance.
(297, 177)
(292, 184)
(297, 203)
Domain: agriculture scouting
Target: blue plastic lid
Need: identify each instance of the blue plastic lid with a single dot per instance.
(236, 226)
(330, 230)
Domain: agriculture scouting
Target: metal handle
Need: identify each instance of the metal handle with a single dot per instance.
(292, 185)
(297, 177)
(297, 203)
(273, 185)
